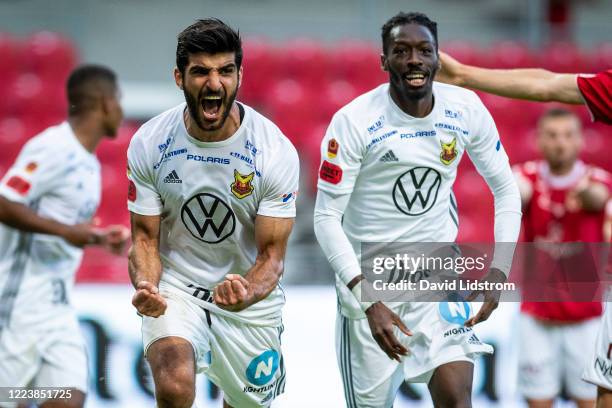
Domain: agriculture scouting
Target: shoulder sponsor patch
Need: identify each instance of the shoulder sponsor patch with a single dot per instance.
(332, 148)
(20, 185)
(287, 198)
(330, 172)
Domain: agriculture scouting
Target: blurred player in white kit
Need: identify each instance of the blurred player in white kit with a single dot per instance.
(47, 201)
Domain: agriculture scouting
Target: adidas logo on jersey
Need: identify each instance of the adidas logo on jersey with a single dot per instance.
(389, 157)
(172, 178)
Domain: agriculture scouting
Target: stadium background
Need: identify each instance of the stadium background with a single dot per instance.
(303, 60)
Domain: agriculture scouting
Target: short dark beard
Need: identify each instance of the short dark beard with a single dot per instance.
(194, 109)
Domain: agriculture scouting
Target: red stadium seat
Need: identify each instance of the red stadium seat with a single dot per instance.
(50, 55)
(465, 52)
(304, 60)
(9, 63)
(260, 66)
(358, 63)
(565, 57)
(510, 54)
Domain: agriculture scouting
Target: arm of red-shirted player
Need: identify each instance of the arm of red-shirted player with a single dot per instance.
(236, 292)
(144, 264)
(336, 246)
(531, 83)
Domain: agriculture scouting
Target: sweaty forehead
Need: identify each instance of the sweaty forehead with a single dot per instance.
(411, 33)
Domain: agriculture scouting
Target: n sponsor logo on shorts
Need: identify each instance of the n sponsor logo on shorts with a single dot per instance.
(604, 367)
(262, 368)
(208, 218)
(416, 191)
(455, 312)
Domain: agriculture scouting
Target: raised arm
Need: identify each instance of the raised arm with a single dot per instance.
(236, 292)
(532, 84)
(145, 265)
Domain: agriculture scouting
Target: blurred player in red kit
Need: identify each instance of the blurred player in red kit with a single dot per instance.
(564, 200)
(541, 85)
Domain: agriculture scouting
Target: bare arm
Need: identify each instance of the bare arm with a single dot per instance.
(23, 218)
(532, 84)
(144, 265)
(236, 293)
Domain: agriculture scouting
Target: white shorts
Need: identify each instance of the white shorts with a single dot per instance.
(371, 379)
(598, 368)
(43, 357)
(244, 361)
(552, 355)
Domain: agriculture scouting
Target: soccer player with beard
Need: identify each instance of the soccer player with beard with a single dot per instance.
(390, 158)
(212, 201)
(47, 200)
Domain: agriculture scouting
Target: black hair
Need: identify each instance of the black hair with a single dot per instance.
(401, 19)
(209, 35)
(86, 84)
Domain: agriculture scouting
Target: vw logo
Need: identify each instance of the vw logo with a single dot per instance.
(416, 191)
(208, 218)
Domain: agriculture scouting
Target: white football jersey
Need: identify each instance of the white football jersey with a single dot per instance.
(400, 170)
(59, 179)
(208, 194)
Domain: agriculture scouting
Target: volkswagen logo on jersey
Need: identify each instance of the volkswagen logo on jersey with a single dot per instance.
(416, 191)
(262, 368)
(455, 312)
(208, 218)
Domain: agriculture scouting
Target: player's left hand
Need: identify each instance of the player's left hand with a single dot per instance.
(233, 293)
(491, 297)
(114, 238)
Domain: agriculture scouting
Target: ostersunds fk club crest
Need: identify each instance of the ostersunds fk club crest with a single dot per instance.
(449, 151)
(242, 185)
(332, 148)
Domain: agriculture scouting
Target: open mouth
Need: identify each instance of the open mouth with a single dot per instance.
(211, 107)
(416, 79)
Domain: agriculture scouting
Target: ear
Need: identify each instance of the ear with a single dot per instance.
(178, 78)
(384, 63)
(240, 73)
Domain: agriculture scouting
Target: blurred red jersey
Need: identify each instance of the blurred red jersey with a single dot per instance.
(554, 215)
(596, 91)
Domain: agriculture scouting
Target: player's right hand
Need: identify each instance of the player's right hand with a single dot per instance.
(382, 320)
(148, 301)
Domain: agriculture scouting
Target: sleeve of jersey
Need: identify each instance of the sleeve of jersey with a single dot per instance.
(341, 154)
(595, 90)
(281, 183)
(491, 161)
(36, 171)
(143, 197)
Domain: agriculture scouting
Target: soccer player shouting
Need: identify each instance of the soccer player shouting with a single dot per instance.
(212, 200)
(390, 158)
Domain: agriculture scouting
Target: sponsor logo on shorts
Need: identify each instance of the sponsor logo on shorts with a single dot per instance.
(242, 185)
(332, 173)
(332, 148)
(454, 312)
(459, 330)
(604, 367)
(262, 368)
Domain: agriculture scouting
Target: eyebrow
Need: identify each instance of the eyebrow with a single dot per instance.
(204, 67)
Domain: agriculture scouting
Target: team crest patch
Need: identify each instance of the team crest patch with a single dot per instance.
(332, 148)
(31, 167)
(449, 151)
(242, 185)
